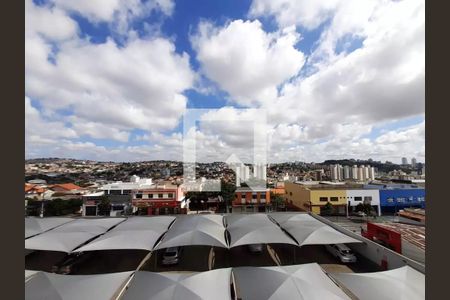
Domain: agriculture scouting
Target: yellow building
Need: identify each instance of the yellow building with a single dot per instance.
(312, 196)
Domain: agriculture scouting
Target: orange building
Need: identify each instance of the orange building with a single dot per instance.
(252, 200)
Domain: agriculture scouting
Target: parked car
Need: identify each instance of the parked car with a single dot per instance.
(342, 252)
(171, 256)
(255, 248)
(71, 263)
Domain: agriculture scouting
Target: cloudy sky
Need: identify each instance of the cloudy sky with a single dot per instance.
(112, 79)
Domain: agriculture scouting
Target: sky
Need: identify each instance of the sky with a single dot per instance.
(113, 80)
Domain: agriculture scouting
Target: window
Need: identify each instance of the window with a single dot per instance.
(263, 195)
(150, 196)
(358, 198)
(126, 192)
(115, 192)
(138, 196)
(160, 195)
(170, 195)
(334, 199)
(254, 195)
(323, 199)
(368, 199)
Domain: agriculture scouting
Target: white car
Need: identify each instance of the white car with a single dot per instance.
(342, 252)
(171, 256)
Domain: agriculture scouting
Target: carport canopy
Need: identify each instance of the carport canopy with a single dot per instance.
(34, 226)
(195, 230)
(255, 229)
(49, 286)
(214, 284)
(69, 236)
(306, 281)
(309, 231)
(140, 233)
(401, 283)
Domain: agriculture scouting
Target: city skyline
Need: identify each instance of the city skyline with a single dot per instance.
(111, 82)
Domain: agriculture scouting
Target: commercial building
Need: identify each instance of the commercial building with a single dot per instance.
(363, 196)
(252, 200)
(313, 196)
(119, 193)
(157, 200)
(394, 197)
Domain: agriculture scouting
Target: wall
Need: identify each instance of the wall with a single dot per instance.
(297, 195)
(375, 194)
(386, 194)
(374, 251)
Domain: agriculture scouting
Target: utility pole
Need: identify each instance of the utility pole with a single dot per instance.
(41, 214)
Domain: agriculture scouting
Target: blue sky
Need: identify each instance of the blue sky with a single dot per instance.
(111, 82)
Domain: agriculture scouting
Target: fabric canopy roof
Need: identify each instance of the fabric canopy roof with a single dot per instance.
(68, 236)
(34, 226)
(214, 284)
(306, 281)
(255, 229)
(134, 233)
(49, 286)
(207, 230)
(402, 283)
(310, 231)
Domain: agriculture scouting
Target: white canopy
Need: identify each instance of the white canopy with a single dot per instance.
(306, 281)
(29, 274)
(134, 233)
(34, 226)
(214, 284)
(49, 286)
(402, 283)
(192, 230)
(255, 229)
(310, 231)
(68, 236)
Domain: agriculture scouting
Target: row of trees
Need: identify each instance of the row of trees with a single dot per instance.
(56, 207)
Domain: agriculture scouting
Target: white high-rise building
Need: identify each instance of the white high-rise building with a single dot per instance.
(355, 172)
(366, 172)
(372, 173)
(404, 161)
(347, 172)
(413, 162)
(335, 172)
(361, 173)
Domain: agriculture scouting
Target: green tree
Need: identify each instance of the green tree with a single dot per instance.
(104, 207)
(327, 208)
(228, 193)
(277, 200)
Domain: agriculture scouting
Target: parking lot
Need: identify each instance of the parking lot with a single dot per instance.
(198, 258)
(192, 258)
(43, 260)
(110, 261)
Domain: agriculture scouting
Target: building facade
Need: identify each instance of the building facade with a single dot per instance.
(252, 200)
(313, 198)
(160, 200)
